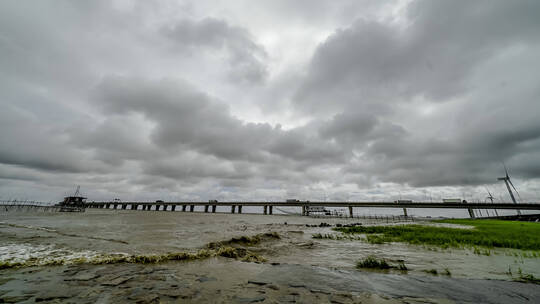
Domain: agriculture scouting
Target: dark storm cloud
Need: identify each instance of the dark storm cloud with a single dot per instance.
(374, 70)
(371, 62)
(188, 118)
(245, 56)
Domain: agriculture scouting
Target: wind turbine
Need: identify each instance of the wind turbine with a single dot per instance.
(508, 182)
(490, 197)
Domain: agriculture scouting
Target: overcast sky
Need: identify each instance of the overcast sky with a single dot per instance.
(269, 99)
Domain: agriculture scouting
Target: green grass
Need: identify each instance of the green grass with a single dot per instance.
(432, 271)
(528, 278)
(486, 233)
(372, 262)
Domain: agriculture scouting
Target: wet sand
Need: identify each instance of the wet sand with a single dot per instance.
(298, 268)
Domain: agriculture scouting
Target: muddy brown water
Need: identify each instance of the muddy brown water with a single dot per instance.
(298, 268)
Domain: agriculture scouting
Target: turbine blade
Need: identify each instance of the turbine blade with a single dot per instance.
(519, 196)
(510, 181)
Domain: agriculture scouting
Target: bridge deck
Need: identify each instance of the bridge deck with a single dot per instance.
(522, 206)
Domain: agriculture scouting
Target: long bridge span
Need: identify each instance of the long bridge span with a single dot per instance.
(267, 207)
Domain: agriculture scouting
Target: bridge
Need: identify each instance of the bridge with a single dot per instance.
(267, 207)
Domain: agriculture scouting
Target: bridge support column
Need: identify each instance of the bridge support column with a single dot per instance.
(191, 208)
(304, 211)
(134, 206)
(265, 210)
(213, 208)
(173, 208)
(471, 213)
(124, 206)
(206, 208)
(233, 208)
(239, 208)
(405, 211)
(184, 208)
(350, 212)
(270, 210)
(115, 206)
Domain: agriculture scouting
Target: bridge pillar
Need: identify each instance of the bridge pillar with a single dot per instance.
(239, 208)
(350, 211)
(124, 206)
(191, 208)
(304, 211)
(214, 208)
(183, 208)
(107, 206)
(233, 208)
(134, 207)
(270, 209)
(405, 211)
(173, 208)
(206, 208)
(471, 213)
(265, 210)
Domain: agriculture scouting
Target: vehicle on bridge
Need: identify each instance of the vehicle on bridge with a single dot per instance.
(454, 200)
(401, 201)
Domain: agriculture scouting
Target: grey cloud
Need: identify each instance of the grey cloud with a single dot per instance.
(27, 142)
(371, 62)
(467, 159)
(187, 118)
(246, 58)
(438, 101)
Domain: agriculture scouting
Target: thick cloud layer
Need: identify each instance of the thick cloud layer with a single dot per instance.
(194, 100)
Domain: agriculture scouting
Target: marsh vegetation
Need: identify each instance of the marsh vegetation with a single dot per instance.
(372, 262)
(485, 234)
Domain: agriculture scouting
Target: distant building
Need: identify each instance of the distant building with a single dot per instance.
(73, 204)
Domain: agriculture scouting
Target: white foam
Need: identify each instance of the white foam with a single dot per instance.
(21, 253)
